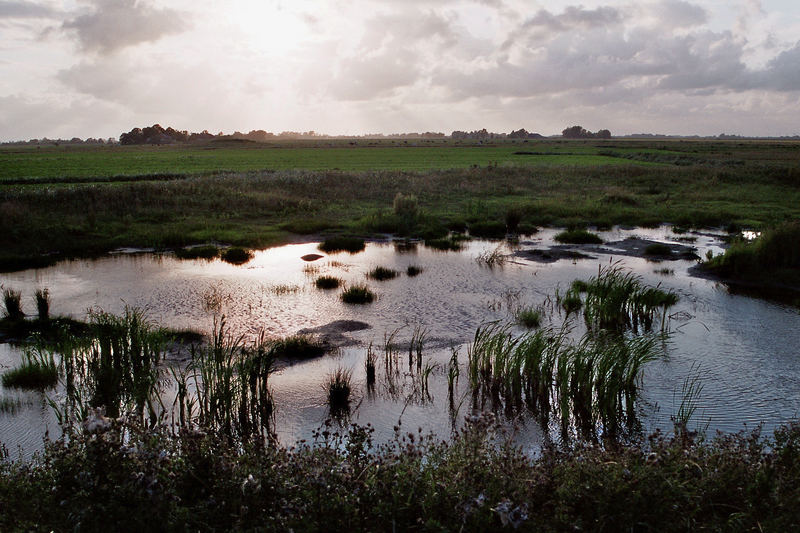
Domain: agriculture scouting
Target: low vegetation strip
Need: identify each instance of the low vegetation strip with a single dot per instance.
(147, 480)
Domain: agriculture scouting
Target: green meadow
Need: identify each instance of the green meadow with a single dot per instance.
(62, 201)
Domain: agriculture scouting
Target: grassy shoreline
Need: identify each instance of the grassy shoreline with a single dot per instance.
(40, 225)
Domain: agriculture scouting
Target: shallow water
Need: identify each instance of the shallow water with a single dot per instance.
(746, 350)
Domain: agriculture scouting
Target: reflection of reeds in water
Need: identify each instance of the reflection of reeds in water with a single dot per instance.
(591, 381)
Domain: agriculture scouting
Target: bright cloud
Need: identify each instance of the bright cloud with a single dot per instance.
(97, 68)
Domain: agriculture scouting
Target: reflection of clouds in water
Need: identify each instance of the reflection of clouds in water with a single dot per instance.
(747, 345)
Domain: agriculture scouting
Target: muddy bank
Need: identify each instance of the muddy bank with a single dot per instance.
(630, 247)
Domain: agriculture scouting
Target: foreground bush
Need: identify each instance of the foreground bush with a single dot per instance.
(153, 481)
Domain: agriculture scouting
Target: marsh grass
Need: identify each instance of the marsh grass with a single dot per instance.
(327, 282)
(38, 370)
(294, 347)
(585, 383)
(530, 317)
(338, 386)
(42, 298)
(357, 294)
(13, 303)
(342, 244)
(578, 236)
(9, 405)
(381, 273)
(616, 299)
(237, 255)
(492, 258)
(691, 390)
(664, 271)
(369, 365)
(775, 251)
(284, 289)
(658, 249)
(413, 270)
(487, 229)
(208, 251)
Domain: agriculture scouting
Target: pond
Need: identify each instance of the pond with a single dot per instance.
(744, 350)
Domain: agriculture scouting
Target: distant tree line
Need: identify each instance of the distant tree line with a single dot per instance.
(577, 132)
(58, 142)
(485, 135)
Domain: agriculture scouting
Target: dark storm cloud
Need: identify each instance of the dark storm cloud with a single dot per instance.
(111, 25)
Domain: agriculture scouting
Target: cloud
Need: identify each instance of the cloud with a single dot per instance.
(112, 25)
(23, 9)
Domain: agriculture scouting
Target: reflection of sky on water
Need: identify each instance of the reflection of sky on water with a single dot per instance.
(746, 349)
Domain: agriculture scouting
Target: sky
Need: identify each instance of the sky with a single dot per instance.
(97, 68)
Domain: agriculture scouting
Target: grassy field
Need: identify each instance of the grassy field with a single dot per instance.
(77, 201)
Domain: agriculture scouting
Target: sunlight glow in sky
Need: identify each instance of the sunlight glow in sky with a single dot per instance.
(100, 67)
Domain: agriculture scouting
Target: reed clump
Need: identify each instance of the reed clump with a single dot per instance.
(357, 294)
(237, 255)
(295, 347)
(339, 386)
(448, 244)
(38, 370)
(586, 383)
(578, 236)
(530, 317)
(381, 273)
(616, 299)
(13, 302)
(658, 249)
(42, 297)
(413, 270)
(342, 244)
(327, 282)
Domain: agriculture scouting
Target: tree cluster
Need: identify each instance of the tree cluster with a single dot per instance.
(577, 132)
(485, 135)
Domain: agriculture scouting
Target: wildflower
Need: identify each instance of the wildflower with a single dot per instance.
(96, 422)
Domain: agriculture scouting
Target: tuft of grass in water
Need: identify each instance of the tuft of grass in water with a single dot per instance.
(657, 248)
(578, 236)
(616, 299)
(342, 244)
(369, 365)
(284, 289)
(664, 271)
(530, 317)
(492, 258)
(338, 387)
(413, 270)
(691, 389)
(42, 297)
(571, 300)
(357, 294)
(208, 251)
(236, 255)
(380, 273)
(295, 347)
(13, 302)
(37, 371)
(327, 282)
